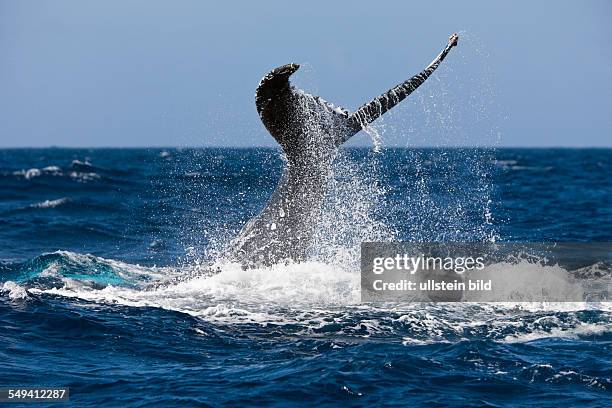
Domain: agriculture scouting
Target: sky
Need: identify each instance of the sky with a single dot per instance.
(183, 73)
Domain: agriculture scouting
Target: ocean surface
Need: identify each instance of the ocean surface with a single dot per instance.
(106, 284)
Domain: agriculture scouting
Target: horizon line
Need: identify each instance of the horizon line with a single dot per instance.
(279, 148)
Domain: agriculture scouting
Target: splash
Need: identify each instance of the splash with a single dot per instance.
(308, 294)
(446, 184)
(352, 210)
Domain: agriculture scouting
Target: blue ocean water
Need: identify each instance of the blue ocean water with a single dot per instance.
(104, 284)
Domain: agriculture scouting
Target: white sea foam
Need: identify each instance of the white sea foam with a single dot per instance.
(57, 171)
(315, 295)
(36, 172)
(84, 177)
(505, 163)
(81, 163)
(15, 291)
(524, 282)
(305, 284)
(578, 330)
(51, 203)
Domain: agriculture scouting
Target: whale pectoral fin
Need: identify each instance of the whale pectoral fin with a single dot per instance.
(371, 111)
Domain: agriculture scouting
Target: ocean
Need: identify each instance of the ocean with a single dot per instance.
(112, 281)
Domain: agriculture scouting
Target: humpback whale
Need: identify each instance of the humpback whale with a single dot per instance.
(309, 130)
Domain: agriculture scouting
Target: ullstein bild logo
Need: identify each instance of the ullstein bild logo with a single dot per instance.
(486, 272)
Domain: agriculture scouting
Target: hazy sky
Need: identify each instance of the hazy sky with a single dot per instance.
(168, 73)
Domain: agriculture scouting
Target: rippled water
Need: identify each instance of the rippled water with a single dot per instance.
(106, 286)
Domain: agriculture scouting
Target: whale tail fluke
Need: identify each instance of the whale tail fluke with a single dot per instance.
(291, 115)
